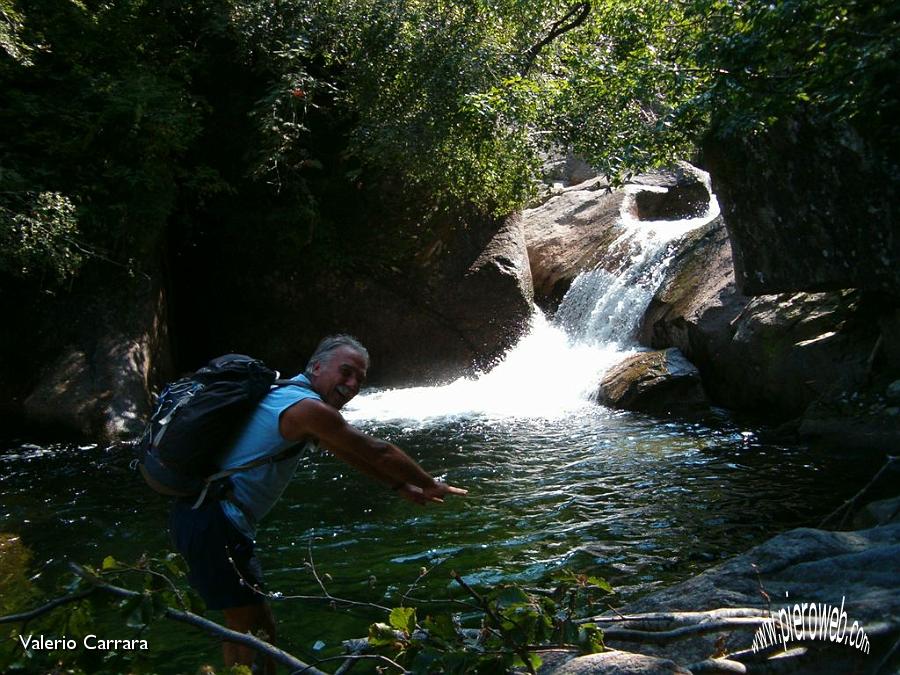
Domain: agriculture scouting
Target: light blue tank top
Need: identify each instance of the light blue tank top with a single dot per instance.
(259, 488)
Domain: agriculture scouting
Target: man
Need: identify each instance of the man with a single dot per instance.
(217, 540)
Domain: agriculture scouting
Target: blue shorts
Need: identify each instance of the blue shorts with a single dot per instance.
(207, 538)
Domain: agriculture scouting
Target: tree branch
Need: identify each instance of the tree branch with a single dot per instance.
(644, 635)
(325, 597)
(680, 618)
(664, 626)
(576, 16)
(279, 655)
(520, 651)
(850, 502)
(25, 617)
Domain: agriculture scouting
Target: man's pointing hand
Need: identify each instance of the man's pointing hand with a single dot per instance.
(433, 493)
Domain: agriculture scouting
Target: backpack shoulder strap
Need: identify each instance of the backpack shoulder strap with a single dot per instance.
(287, 453)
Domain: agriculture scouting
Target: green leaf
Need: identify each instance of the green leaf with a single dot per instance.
(403, 619)
(110, 563)
(533, 659)
(195, 603)
(590, 638)
(381, 634)
(600, 583)
(511, 595)
(441, 627)
(175, 565)
(238, 670)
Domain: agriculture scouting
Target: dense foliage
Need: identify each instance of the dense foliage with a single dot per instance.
(488, 630)
(126, 120)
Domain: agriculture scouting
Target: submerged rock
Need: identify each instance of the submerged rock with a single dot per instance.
(654, 382)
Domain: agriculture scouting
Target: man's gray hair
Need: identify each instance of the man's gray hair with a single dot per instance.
(331, 343)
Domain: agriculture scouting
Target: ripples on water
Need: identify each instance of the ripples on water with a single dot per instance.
(636, 500)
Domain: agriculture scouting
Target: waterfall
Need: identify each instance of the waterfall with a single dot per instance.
(556, 367)
(603, 306)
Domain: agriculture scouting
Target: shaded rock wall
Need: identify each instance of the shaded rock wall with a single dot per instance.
(88, 359)
(95, 354)
(459, 310)
(808, 208)
(775, 353)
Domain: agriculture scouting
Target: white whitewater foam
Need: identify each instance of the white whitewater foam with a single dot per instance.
(545, 375)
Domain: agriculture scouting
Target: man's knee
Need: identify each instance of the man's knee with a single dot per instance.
(252, 619)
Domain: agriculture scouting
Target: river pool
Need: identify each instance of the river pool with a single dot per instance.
(639, 501)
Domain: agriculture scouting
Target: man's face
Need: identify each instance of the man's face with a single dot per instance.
(339, 377)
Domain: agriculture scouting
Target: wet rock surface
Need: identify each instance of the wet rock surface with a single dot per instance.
(660, 382)
(856, 572)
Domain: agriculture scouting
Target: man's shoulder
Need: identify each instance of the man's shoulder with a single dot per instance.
(309, 417)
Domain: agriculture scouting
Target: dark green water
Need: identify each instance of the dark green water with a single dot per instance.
(640, 502)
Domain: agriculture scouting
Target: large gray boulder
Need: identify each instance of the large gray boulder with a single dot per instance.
(809, 207)
(856, 571)
(695, 305)
(102, 394)
(466, 315)
(470, 301)
(775, 353)
(99, 385)
(562, 167)
(568, 234)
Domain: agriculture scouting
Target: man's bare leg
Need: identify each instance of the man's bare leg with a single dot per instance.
(249, 619)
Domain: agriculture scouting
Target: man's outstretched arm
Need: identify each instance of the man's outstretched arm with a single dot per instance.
(376, 458)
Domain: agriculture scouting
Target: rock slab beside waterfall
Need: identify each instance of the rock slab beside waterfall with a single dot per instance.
(567, 234)
(575, 229)
(826, 359)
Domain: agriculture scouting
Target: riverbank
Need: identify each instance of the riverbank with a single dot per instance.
(827, 602)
